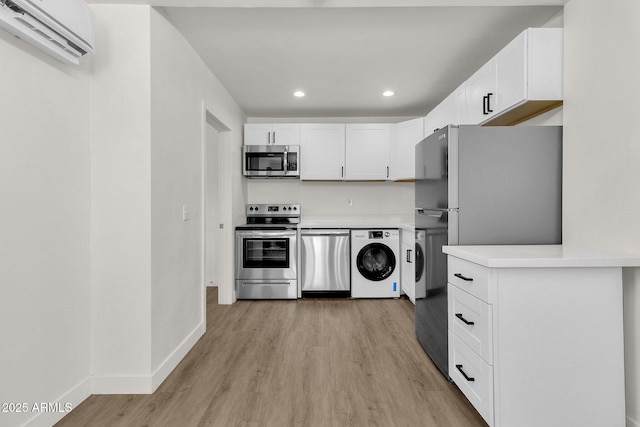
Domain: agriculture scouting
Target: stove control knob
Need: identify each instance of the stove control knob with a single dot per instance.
(295, 208)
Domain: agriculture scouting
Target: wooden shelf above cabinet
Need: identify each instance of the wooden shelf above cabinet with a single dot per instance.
(523, 112)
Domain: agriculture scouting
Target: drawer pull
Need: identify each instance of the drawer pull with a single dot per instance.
(466, 377)
(466, 279)
(459, 316)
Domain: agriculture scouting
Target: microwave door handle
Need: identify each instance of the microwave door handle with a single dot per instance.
(286, 161)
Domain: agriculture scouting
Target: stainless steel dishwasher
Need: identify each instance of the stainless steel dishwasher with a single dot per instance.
(325, 263)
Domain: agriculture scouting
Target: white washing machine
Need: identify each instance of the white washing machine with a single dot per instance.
(375, 263)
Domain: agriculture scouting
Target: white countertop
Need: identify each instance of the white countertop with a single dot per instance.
(357, 221)
(541, 256)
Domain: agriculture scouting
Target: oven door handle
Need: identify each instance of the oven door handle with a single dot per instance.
(263, 233)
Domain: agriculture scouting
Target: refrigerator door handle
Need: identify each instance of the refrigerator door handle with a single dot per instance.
(423, 210)
(435, 213)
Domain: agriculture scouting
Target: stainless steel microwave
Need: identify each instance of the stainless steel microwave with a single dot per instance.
(271, 161)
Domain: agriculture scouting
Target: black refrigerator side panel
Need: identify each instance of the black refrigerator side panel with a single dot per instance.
(431, 287)
(510, 185)
(433, 232)
(432, 171)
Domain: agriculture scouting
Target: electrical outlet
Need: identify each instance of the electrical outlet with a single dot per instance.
(350, 201)
(185, 212)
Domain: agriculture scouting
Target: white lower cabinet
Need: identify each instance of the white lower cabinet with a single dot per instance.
(538, 346)
(471, 321)
(472, 375)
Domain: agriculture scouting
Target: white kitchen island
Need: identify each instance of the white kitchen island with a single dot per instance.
(536, 333)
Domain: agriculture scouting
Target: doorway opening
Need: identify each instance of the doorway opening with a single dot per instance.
(215, 189)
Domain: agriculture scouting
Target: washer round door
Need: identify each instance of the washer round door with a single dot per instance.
(376, 261)
(419, 262)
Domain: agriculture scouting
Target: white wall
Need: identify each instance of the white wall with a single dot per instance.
(44, 231)
(120, 200)
(327, 199)
(180, 83)
(602, 148)
(148, 131)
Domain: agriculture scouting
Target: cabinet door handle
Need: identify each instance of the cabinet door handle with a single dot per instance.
(484, 105)
(387, 171)
(466, 279)
(409, 256)
(489, 110)
(466, 377)
(268, 138)
(342, 172)
(274, 137)
(459, 316)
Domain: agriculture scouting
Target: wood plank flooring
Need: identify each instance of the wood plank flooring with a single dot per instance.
(310, 362)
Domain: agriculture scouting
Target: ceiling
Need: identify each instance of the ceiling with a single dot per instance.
(343, 58)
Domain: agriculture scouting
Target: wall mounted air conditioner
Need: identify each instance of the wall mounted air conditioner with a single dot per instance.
(63, 29)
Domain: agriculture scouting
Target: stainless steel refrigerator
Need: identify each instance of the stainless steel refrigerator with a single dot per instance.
(480, 185)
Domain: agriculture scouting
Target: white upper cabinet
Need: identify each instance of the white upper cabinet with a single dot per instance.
(451, 111)
(511, 73)
(523, 80)
(272, 134)
(529, 75)
(322, 152)
(257, 133)
(404, 137)
(481, 93)
(367, 151)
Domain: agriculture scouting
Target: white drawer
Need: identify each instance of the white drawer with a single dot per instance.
(470, 319)
(477, 386)
(470, 277)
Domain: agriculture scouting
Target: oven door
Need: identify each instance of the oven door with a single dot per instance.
(266, 254)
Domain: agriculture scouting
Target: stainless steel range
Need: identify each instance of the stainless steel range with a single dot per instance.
(266, 252)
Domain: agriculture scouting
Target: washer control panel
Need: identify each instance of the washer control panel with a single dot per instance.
(375, 234)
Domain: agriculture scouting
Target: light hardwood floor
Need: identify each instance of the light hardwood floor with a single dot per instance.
(310, 362)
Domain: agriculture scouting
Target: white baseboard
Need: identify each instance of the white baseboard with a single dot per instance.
(174, 358)
(68, 401)
(125, 384)
(146, 384)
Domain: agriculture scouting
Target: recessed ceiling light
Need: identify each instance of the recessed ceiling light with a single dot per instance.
(388, 93)
(298, 94)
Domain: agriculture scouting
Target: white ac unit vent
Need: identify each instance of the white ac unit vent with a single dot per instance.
(63, 29)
